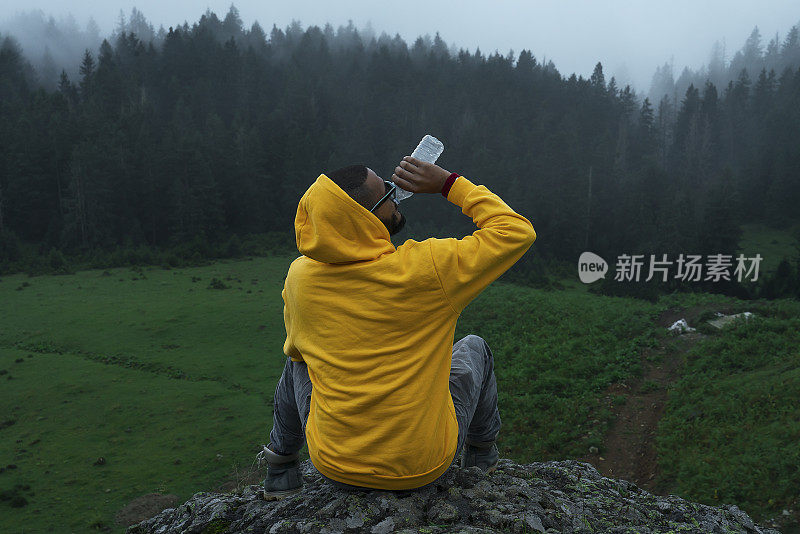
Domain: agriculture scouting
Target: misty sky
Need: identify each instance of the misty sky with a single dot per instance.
(629, 37)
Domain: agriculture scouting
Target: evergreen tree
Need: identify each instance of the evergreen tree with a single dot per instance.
(87, 76)
(598, 80)
(790, 50)
(16, 74)
(232, 25)
(721, 229)
(138, 26)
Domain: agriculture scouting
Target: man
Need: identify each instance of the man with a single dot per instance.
(373, 380)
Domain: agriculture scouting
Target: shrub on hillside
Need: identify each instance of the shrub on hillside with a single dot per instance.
(57, 262)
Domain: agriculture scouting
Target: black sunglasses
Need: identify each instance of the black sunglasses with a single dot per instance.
(390, 193)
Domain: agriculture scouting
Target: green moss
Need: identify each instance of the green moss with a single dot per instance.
(217, 526)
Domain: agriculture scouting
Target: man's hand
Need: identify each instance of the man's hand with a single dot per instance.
(419, 176)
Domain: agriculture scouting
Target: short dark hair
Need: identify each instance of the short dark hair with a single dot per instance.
(352, 179)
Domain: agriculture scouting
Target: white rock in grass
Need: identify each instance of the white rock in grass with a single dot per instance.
(680, 326)
(724, 320)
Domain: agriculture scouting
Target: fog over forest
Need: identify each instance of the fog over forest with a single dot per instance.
(52, 45)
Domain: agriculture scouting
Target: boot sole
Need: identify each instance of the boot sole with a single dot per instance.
(278, 495)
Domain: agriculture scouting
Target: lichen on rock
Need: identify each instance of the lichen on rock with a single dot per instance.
(548, 497)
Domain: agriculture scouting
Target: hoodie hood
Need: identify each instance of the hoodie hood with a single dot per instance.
(331, 227)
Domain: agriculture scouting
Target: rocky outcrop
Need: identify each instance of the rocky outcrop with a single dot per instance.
(550, 497)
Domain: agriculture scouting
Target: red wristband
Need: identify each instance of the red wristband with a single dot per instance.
(449, 183)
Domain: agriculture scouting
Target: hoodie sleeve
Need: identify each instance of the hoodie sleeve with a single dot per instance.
(467, 266)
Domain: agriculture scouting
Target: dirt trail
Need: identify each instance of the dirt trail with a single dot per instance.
(628, 450)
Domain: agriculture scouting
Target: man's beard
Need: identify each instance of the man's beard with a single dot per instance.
(395, 227)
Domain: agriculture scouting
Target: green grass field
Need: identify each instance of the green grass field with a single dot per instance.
(169, 380)
(773, 245)
(731, 432)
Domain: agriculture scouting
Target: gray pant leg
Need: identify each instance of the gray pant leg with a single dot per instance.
(472, 386)
(291, 405)
(474, 391)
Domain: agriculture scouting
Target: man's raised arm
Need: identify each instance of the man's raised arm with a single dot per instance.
(467, 266)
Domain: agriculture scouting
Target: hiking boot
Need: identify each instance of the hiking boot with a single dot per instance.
(283, 474)
(482, 454)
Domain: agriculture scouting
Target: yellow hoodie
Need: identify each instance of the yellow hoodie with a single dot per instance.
(375, 325)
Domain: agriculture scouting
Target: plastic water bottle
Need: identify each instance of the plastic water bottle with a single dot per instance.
(429, 150)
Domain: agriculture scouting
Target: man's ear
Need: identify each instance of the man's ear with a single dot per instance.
(363, 196)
